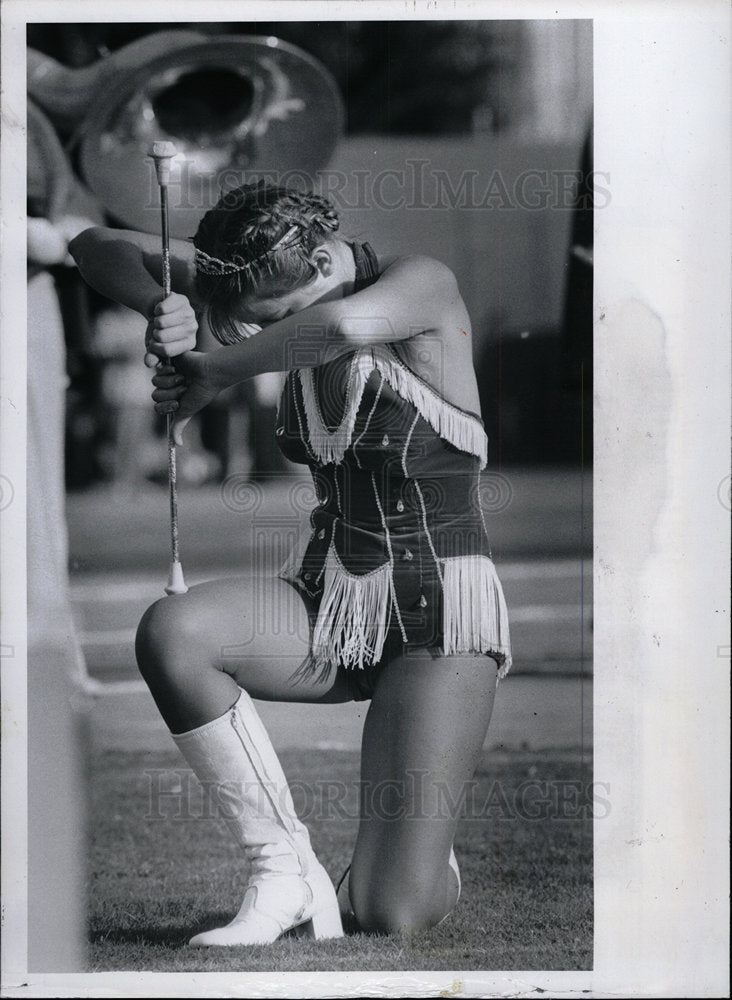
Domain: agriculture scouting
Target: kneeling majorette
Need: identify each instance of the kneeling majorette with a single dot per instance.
(393, 595)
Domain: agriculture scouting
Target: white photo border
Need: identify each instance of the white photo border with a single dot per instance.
(661, 535)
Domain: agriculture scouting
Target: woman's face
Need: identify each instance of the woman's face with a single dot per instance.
(266, 309)
(331, 276)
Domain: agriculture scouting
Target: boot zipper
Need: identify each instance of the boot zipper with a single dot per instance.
(267, 791)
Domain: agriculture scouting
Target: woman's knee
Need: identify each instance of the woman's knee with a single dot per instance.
(393, 909)
(166, 637)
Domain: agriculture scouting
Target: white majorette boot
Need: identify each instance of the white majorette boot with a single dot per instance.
(288, 888)
(452, 862)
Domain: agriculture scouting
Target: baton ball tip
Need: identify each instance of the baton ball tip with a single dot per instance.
(163, 150)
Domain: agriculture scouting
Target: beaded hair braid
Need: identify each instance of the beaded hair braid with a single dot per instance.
(257, 240)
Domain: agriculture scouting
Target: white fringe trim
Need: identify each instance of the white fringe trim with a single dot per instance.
(354, 614)
(387, 538)
(458, 428)
(475, 618)
(330, 446)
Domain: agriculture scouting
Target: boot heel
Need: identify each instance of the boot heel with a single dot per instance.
(326, 923)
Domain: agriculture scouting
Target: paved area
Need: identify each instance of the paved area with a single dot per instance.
(531, 713)
(540, 523)
(544, 513)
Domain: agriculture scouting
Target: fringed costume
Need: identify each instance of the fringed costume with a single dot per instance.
(398, 557)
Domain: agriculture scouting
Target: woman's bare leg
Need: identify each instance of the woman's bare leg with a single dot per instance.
(422, 741)
(197, 649)
(204, 655)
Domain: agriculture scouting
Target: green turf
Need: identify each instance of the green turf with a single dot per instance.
(526, 870)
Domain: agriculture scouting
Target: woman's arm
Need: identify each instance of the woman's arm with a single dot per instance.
(126, 266)
(412, 296)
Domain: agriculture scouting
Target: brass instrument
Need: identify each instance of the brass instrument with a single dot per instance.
(237, 107)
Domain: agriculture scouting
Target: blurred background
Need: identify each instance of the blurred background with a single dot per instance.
(470, 141)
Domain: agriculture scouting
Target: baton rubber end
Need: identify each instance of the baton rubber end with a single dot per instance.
(176, 583)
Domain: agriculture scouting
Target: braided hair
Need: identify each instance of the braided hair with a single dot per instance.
(257, 239)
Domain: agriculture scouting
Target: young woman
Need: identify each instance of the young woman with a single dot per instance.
(398, 601)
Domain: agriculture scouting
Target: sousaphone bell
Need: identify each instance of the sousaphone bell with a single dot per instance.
(237, 108)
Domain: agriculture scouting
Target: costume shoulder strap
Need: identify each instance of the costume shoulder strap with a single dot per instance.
(367, 265)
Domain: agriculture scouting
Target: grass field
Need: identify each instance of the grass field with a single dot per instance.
(160, 871)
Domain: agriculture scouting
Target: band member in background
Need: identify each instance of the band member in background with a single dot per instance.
(58, 209)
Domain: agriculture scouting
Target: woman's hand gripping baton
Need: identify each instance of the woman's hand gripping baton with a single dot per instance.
(162, 153)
